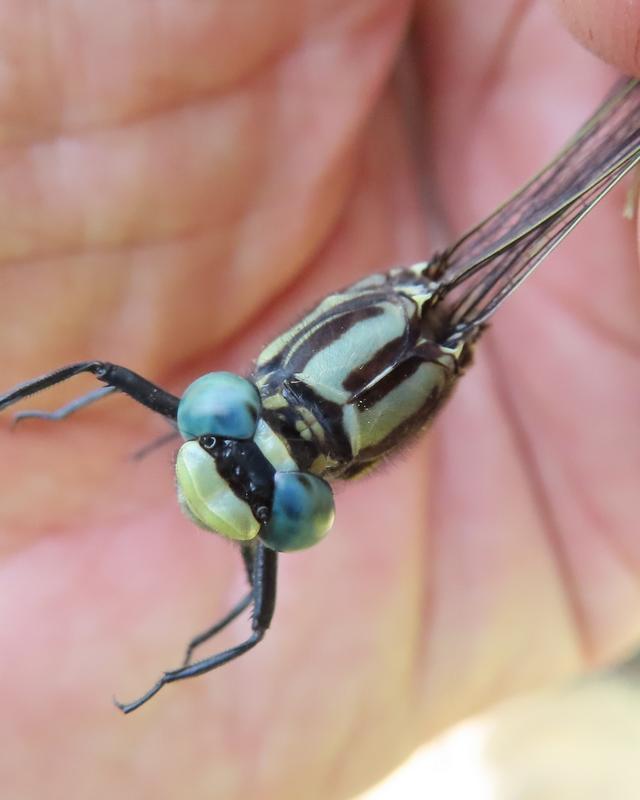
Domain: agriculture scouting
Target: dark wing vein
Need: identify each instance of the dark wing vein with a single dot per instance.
(492, 259)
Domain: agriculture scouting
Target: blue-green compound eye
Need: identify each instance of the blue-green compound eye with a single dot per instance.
(301, 514)
(220, 404)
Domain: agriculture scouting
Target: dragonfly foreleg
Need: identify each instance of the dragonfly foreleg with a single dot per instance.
(263, 595)
(158, 442)
(69, 408)
(204, 636)
(116, 377)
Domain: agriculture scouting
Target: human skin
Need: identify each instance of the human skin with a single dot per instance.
(178, 182)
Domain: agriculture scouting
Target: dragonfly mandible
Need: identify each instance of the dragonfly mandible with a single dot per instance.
(355, 378)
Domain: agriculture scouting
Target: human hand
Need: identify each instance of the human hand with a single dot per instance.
(175, 188)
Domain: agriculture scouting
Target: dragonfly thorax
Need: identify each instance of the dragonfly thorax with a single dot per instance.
(362, 372)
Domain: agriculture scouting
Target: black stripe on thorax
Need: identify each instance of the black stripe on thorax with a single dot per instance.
(404, 431)
(389, 382)
(283, 422)
(363, 374)
(328, 415)
(344, 309)
(334, 327)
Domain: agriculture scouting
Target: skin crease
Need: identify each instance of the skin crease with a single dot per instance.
(176, 184)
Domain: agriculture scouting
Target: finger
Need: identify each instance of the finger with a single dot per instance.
(113, 585)
(497, 113)
(177, 202)
(608, 29)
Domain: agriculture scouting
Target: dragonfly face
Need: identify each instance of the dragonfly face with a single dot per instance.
(234, 474)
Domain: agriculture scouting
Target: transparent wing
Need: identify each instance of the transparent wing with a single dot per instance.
(483, 267)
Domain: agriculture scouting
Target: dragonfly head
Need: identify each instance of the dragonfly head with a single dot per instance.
(226, 482)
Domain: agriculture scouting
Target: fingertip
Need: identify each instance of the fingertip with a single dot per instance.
(610, 30)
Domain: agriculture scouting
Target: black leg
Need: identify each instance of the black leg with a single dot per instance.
(159, 441)
(203, 637)
(264, 576)
(247, 551)
(69, 408)
(121, 378)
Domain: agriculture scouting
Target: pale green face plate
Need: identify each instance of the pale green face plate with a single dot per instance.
(207, 498)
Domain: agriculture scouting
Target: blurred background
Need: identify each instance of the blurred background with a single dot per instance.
(577, 742)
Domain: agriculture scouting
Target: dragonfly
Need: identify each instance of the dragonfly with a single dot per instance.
(354, 379)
